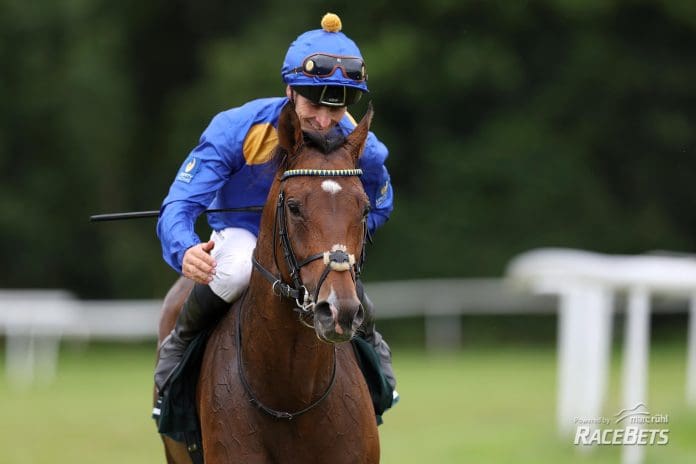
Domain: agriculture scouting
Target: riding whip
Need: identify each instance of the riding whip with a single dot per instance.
(155, 213)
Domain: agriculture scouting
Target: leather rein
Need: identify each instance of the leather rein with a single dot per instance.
(336, 259)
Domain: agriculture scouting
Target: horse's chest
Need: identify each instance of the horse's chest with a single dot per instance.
(305, 442)
(340, 430)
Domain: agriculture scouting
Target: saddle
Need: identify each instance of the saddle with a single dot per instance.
(176, 415)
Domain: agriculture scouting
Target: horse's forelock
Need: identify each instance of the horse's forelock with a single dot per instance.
(325, 144)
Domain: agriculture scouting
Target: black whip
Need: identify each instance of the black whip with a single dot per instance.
(150, 214)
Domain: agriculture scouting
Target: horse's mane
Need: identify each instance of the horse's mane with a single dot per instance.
(326, 143)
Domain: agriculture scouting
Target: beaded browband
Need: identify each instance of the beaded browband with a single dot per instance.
(321, 172)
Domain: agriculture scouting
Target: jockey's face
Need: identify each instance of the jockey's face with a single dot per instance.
(313, 116)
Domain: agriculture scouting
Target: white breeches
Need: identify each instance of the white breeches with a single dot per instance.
(232, 252)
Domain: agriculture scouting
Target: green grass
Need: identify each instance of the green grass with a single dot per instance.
(479, 405)
(498, 406)
(97, 411)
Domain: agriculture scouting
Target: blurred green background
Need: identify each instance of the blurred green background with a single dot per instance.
(511, 125)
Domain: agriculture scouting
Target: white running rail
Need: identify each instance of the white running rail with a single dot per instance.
(587, 285)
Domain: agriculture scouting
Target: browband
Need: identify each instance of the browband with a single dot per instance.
(321, 172)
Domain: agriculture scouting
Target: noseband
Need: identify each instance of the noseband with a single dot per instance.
(337, 259)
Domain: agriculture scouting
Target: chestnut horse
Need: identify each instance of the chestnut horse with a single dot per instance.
(272, 390)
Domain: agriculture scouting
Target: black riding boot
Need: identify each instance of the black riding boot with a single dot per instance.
(201, 310)
(371, 335)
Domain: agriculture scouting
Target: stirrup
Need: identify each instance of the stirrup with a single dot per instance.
(395, 398)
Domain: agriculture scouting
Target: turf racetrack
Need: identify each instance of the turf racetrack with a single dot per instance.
(478, 405)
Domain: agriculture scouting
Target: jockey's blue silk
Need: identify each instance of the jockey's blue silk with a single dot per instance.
(231, 168)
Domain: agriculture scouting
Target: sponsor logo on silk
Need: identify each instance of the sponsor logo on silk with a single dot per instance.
(190, 169)
(383, 193)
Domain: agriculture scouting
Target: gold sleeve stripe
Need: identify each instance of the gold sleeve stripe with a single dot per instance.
(259, 143)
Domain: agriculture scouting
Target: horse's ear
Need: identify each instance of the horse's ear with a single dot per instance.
(355, 142)
(289, 129)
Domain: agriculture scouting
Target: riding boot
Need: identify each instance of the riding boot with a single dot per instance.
(371, 335)
(201, 310)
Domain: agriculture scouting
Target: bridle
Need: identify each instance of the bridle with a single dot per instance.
(337, 259)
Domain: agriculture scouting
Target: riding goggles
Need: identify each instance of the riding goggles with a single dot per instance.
(324, 65)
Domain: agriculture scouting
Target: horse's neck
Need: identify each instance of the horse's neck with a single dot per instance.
(281, 354)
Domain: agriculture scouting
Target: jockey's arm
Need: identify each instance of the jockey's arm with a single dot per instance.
(175, 229)
(202, 174)
(376, 182)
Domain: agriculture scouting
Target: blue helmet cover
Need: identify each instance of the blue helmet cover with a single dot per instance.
(320, 41)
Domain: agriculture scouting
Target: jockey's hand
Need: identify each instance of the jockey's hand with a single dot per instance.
(198, 265)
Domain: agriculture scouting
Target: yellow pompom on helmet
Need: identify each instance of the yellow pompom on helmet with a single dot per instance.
(326, 66)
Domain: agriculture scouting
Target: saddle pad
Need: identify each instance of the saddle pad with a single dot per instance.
(178, 414)
(380, 391)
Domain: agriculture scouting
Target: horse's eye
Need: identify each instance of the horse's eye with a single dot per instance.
(294, 208)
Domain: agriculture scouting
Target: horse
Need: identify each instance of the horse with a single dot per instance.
(279, 383)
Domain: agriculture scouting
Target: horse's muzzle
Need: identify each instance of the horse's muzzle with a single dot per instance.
(337, 321)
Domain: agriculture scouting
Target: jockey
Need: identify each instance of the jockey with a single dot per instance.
(324, 72)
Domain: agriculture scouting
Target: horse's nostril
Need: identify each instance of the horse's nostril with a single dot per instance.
(338, 321)
(323, 314)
